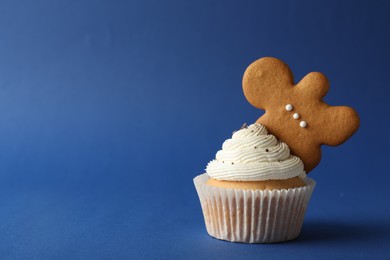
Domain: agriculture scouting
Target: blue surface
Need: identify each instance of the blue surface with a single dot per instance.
(108, 109)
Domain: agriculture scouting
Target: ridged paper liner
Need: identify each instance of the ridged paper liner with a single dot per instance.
(253, 216)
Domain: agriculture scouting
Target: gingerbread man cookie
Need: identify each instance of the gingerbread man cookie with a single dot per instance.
(296, 113)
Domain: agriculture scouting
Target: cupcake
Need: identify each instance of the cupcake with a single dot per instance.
(256, 189)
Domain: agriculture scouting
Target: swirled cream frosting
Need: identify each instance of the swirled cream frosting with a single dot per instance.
(254, 155)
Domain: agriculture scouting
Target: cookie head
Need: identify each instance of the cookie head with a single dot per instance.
(296, 113)
(265, 81)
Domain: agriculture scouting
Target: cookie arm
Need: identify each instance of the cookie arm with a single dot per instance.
(314, 85)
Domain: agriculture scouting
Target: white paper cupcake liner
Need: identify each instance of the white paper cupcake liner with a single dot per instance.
(253, 216)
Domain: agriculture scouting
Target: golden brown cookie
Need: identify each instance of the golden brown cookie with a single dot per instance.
(296, 113)
(258, 185)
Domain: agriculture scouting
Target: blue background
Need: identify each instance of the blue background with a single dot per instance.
(108, 109)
